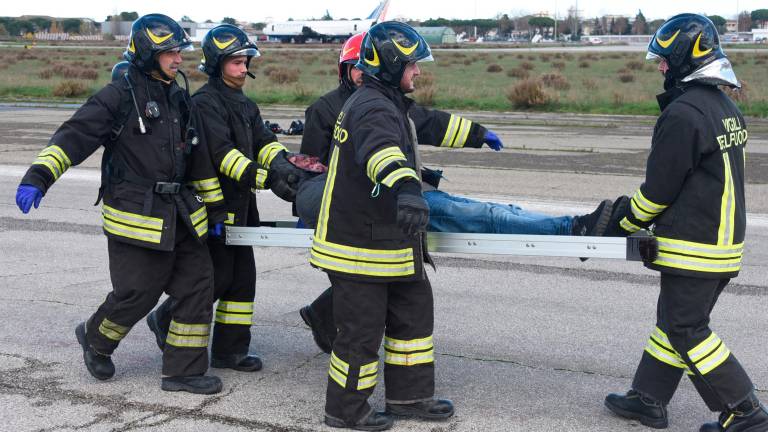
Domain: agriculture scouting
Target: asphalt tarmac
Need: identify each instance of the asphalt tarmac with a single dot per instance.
(522, 343)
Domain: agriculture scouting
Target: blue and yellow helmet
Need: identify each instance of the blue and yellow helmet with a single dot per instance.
(223, 41)
(151, 35)
(687, 42)
(387, 49)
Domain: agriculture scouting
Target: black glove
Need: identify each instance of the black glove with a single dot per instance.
(284, 177)
(412, 210)
(649, 249)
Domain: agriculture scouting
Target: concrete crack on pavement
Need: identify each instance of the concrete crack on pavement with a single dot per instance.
(534, 367)
(26, 381)
(44, 301)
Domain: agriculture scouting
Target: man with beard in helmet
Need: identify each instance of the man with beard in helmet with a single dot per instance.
(448, 213)
(154, 217)
(693, 194)
(370, 239)
(248, 157)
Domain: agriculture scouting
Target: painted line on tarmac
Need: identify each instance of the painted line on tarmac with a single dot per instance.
(758, 220)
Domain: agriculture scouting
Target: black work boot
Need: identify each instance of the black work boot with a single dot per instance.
(375, 421)
(153, 323)
(595, 223)
(198, 384)
(748, 416)
(635, 406)
(435, 409)
(322, 339)
(100, 366)
(238, 362)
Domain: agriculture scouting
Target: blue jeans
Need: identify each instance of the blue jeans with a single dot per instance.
(450, 213)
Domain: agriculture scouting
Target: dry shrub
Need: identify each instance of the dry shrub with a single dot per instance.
(527, 66)
(568, 57)
(494, 68)
(617, 98)
(558, 55)
(739, 95)
(558, 65)
(284, 76)
(545, 58)
(89, 74)
(425, 95)
(519, 56)
(269, 69)
(614, 56)
(555, 81)
(47, 74)
(459, 55)
(589, 84)
(105, 64)
(634, 65)
(626, 77)
(518, 73)
(468, 62)
(197, 76)
(528, 94)
(302, 94)
(623, 71)
(531, 58)
(651, 68)
(589, 57)
(584, 64)
(70, 89)
(760, 62)
(64, 71)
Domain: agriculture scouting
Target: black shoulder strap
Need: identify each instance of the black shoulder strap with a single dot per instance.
(124, 109)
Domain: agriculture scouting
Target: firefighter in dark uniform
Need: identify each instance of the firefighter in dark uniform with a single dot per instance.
(247, 156)
(370, 239)
(693, 195)
(156, 181)
(432, 126)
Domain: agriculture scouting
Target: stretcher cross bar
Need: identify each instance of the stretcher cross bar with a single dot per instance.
(465, 243)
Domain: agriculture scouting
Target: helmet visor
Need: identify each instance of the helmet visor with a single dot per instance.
(249, 52)
(653, 56)
(428, 58)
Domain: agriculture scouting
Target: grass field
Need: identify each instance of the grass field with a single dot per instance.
(605, 82)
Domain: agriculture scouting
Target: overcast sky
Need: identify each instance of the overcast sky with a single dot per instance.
(268, 10)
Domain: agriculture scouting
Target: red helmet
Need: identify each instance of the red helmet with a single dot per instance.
(350, 52)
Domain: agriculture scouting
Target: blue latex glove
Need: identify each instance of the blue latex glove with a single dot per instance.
(26, 195)
(493, 141)
(216, 230)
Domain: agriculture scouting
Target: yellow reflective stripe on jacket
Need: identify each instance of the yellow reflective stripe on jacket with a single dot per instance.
(727, 206)
(412, 359)
(382, 159)
(53, 158)
(643, 208)
(628, 226)
(398, 174)
(208, 189)
(373, 262)
(113, 331)
(457, 132)
(325, 206)
(462, 134)
(702, 257)
(188, 335)
(232, 312)
(261, 178)
(200, 221)
(709, 354)
(132, 225)
(338, 370)
(268, 153)
(450, 131)
(408, 345)
(230, 219)
(234, 164)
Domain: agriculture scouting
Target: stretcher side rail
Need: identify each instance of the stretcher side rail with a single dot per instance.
(628, 248)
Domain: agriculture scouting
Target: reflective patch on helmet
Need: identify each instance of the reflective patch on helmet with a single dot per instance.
(131, 46)
(375, 61)
(404, 50)
(668, 42)
(225, 44)
(697, 52)
(158, 39)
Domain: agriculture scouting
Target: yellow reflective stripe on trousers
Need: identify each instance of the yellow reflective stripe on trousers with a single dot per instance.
(367, 376)
(232, 312)
(709, 354)
(200, 221)
(408, 345)
(462, 134)
(629, 226)
(661, 349)
(230, 219)
(727, 205)
(229, 318)
(412, 359)
(268, 153)
(113, 331)
(338, 370)
(188, 335)
(325, 206)
(382, 159)
(398, 174)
